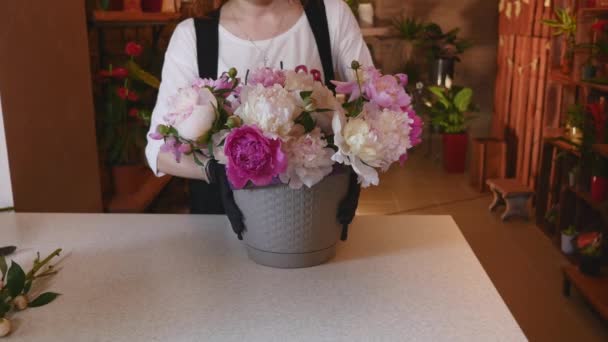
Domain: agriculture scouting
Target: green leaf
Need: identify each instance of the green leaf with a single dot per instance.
(306, 120)
(43, 299)
(15, 279)
(4, 308)
(137, 72)
(440, 95)
(462, 100)
(3, 267)
(305, 94)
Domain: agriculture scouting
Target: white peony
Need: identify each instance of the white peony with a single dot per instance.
(392, 130)
(192, 112)
(272, 109)
(309, 160)
(358, 147)
(322, 97)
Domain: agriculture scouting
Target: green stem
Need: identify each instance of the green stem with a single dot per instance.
(39, 264)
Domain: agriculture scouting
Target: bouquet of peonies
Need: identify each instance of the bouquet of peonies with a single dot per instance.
(286, 126)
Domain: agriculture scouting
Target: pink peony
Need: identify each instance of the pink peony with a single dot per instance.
(415, 127)
(253, 157)
(267, 77)
(387, 92)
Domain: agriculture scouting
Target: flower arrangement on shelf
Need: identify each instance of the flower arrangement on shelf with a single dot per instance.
(286, 126)
(16, 285)
(589, 246)
(565, 25)
(125, 103)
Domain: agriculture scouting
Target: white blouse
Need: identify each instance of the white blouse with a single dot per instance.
(296, 46)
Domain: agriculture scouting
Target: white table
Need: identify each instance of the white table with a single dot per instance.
(187, 278)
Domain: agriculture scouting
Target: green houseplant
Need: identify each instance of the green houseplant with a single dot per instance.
(448, 110)
(564, 25)
(444, 50)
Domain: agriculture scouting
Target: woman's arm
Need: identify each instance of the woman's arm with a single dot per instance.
(179, 70)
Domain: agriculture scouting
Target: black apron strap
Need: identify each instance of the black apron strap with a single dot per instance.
(205, 198)
(317, 18)
(207, 44)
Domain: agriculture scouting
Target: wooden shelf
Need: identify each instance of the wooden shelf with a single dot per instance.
(593, 289)
(566, 145)
(600, 207)
(133, 18)
(594, 10)
(601, 149)
(557, 76)
(379, 32)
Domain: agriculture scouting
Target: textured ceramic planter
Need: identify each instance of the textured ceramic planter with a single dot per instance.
(288, 228)
(567, 243)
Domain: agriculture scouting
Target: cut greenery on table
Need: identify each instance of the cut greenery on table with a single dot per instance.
(15, 286)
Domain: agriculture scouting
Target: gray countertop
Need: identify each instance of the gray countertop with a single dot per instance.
(187, 278)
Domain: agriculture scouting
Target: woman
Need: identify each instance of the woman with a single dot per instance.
(248, 34)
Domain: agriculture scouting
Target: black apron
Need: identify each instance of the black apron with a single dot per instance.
(215, 198)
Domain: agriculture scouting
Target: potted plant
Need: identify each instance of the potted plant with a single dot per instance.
(444, 50)
(589, 246)
(448, 111)
(125, 106)
(575, 121)
(551, 214)
(410, 30)
(291, 174)
(568, 236)
(564, 25)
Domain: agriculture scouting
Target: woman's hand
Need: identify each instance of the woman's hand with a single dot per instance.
(186, 168)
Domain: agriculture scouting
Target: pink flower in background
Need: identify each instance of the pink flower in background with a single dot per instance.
(134, 112)
(253, 157)
(415, 127)
(133, 49)
(267, 77)
(387, 92)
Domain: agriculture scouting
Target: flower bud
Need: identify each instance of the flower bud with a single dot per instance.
(232, 72)
(5, 327)
(355, 65)
(20, 302)
(162, 129)
(233, 121)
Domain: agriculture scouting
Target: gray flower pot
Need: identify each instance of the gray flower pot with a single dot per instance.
(288, 228)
